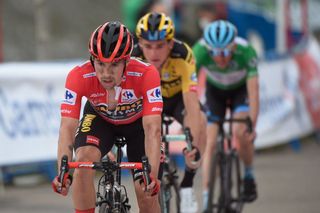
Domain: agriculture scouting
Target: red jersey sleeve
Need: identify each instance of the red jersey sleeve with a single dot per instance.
(74, 87)
(152, 97)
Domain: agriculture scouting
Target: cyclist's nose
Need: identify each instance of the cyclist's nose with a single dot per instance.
(107, 71)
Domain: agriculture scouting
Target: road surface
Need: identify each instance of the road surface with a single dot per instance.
(288, 182)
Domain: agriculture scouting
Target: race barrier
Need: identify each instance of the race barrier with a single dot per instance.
(30, 96)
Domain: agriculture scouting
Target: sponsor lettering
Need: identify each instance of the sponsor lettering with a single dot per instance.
(87, 121)
(88, 75)
(35, 116)
(124, 164)
(122, 111)
(96, 95)
(170, 84)
(156, 109)
(93, 140)
(65, 111)
(86, 165)
(136, 74)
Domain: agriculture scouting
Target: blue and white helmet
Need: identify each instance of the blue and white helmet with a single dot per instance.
(219, 34)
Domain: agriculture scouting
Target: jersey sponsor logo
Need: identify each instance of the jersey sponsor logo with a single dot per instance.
(171, 84)
(70, 97)
(227, 78)
(166, 75)
(128, 95)
(87, 122)
(96, 95)
(156, 109)
(154, 95)
(66, 111)
(136, 74)
(88, 75)
(93, 140)
(194, 77)
(122, 111)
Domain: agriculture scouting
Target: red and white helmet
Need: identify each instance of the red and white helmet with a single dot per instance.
(111, 42)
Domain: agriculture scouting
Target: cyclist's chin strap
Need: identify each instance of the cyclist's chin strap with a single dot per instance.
(85, 211)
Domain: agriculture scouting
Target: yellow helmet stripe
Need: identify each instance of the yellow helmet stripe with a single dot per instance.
(162, 21)
(145, 22)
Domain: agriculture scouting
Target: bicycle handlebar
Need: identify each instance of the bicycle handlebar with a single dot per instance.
(246, 120)
(64, 169)
(182, 137)
(146, 168)
(104, 165)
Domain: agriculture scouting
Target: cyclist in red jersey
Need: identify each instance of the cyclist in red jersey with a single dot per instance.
(123, 99)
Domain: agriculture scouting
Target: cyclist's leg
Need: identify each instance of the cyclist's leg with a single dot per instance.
(91, 143)
(240, 109)
(216, 104)
(135, 150)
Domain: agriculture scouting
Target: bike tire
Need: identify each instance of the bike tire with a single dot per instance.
(104, 208)
(227, 184)
(212, 203)
(164, 198)
(236, 183)
(177, 190)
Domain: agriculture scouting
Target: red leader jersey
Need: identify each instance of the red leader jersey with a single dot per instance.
(139, 93)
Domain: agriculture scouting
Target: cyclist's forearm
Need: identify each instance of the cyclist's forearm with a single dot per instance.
(253, 94)
(65, 147)
(153, 153)
(192, 116)
(152, 131)
(66, 139)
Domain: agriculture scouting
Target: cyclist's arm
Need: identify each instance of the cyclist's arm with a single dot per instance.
(190, 96)
(253, 94)
(192, 117)
(68, 127)
(152, 132)
(253, 83)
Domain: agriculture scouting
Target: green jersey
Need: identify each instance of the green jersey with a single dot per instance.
(243, 65)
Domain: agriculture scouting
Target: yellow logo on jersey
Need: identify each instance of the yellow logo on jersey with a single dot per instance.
(87, 121)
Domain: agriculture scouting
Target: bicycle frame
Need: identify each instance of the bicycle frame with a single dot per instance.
(111, 198)
(225, 158)
(170, 176)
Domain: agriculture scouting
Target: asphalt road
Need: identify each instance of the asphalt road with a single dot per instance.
(288, 182)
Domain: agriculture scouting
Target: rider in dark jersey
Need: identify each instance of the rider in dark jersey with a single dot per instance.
(230, 63)
(123, 99)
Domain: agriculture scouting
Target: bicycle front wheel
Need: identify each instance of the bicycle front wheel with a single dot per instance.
(105, 208)
(236, 183)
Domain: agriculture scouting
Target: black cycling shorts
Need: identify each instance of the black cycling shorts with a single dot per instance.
(174, 107)
(217, 101)
(93, 130)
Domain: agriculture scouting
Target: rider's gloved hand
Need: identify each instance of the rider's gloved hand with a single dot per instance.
(62, 188)
(192, 158)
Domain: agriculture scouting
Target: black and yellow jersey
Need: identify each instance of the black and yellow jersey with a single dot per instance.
(178, 74)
